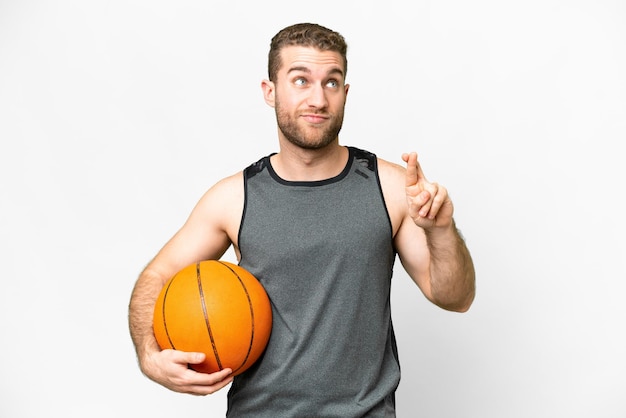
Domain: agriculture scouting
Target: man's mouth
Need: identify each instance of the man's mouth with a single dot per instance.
(315, 118)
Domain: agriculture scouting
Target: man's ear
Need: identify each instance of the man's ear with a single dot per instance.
(269, 92)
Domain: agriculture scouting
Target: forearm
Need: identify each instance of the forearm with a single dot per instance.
(452, 273)
(140, 313)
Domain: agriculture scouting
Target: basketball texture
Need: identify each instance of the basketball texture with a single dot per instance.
(217, 308)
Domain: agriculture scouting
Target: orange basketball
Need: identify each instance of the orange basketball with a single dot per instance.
(216, 308)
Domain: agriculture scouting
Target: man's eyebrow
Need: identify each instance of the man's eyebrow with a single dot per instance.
(303, 69)
(335, 70)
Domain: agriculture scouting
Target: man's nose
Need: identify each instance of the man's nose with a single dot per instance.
(317, 97)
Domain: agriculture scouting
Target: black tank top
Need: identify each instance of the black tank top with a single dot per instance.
(323, 251)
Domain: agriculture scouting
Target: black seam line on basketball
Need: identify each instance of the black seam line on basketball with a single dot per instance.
(245, 289)
(206, 317)
(167, 332)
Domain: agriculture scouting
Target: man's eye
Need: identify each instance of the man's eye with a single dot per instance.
(299, 82)
(332, 83)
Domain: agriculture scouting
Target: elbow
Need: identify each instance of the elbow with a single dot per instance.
(459, 307)
(460, 303)
(463, 307)
(467, 302)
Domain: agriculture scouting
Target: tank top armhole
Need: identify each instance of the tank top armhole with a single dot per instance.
(382, 197)
(372, 161)
(248, 173)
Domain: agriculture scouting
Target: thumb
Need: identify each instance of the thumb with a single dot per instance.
(195, 358)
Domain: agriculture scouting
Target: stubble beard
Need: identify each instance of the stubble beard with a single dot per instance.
(308, 137)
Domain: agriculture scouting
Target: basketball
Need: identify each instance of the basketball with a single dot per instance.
(217, 308)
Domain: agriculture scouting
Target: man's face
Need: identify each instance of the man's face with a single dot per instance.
(309, 95)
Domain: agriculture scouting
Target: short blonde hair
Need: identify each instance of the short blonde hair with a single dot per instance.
(305, 34)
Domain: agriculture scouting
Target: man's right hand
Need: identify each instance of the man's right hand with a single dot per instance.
(170, 368)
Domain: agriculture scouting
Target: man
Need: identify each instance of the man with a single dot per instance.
(319, 224)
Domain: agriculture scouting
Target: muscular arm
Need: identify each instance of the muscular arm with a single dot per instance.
(440, 263)
(429, 245)
(208, 232)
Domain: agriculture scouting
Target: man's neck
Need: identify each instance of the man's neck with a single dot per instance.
(297, 164)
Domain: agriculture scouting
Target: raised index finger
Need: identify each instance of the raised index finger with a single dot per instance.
(412, 169)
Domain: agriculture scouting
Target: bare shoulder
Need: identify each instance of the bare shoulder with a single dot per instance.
(209, 230)
(392, 181)
(391, 171)
(221, 207)
(224, 198)
(230, 187)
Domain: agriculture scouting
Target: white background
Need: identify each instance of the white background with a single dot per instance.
(115, 116)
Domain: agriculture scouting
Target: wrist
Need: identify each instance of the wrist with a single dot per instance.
(441, 230)
(443, 235)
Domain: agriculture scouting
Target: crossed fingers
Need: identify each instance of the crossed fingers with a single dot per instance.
(425, 199)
